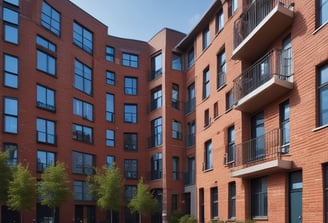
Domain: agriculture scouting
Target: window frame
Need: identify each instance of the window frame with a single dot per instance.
(222, 69)
(206, 38)
(214, 203)
(82, 108)
(156, 65)
(83, 136)
(131, 113)
(44, 104)
(259, 203)
(80, 163)
(321, 12)
(10, 72)
(131, 168)
(208, 155)
(206, 83)
(49, 131)
(110, 107)
(130, 60)
(156, 98)
(131, 85)
(176, 130)
(130, 140)
(41, 166)
(83, 75)
(110, 138)
(110, 77)
(12, 150)
(110, 54)
(156, 166)
(322, 87)
(10, 24)
(81, 37)
(56, 30)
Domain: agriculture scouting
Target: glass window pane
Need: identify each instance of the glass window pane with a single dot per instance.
(11, 34)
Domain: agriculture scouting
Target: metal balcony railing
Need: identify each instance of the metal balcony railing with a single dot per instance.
(155, 140)
(276, 62)
(262, 148)
(189, 106)
(253, 16)
(190, 140)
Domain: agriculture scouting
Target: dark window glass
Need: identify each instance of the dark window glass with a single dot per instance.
(208, 160)
(221, 62)
(45, 159)
(131, 169)
(156, 132)
(130, 141)
(206, 38)
(206, 83)
(156, 99)
(82, 163)
(175, 168)
(214, 203)
(232, 200)
(190, 58)
(231, 144)
(176, 130)
(229, 100)
(156, 65)
(285, 126)
(81, 192)
(10, 19)
(82, 133)
(156, 166)
(12, 151)
(259, 197)
(130, 113)
(176, 62)
(219, 21)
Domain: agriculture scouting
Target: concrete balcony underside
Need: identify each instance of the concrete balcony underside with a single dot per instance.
(261, 169)
(264, 94)
(276, 22)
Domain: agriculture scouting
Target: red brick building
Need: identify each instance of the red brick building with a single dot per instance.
(227, 122)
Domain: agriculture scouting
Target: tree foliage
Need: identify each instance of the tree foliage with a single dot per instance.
(6, 174)
(143, 202)
(22, 190)
(54, 187)
(106, 186)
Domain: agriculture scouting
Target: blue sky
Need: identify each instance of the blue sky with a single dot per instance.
(142, 19)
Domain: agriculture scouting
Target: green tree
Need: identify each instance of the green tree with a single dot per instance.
(22, 190)
(54, 187)
(5, 177)
(106, 186)
(143, 202)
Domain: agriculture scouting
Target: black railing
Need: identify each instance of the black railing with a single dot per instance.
(265, 147)
(189, 106)
(156, 174)
(276, 62)
(155, 140)
(253, 16)
(190, 140)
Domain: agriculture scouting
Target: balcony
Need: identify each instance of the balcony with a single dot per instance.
(259, 156)
(259, 25)
(189, 106)
(265, 81)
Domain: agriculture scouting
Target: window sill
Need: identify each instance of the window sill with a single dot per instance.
(320, 127)
(208, 170)
(319, 28)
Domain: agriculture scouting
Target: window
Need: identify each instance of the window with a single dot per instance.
(12, 151)
(45, 44)
(175, 96)
(229, 101)
(207, 118)
(45, 159)
(284, 125)
(206, 83)
(130, 85)
(13, 2)
(231, 144)
(156, 132)
(201, 205)
(175, 168)
(10, 115)
(46, 130)
(110, 78)
(221, 64)
(232, 200)
(50, 19)
(176, 62)
(10, 71)
(219, 20)
(80, 191)
(131, 169)
(215, 110)
(130, 141)
(110, 107)
(174, 202)
(206, 38)
(156, 98)
(130, 113)
(191, 133)
(257, 134)
(82, 133)
(176, 130)
(83, 77)
(45, 98)
(82, 163)
(214, 203)
(325, 187)
(190, 58)
(323, 95)
(259, 197)
(82, 37)
(191, 172)
(130, 60)
(322, 12)
(10, 17)
(110, 160)
(46, 63)
(110, 138)
(83, 109)
(110, 54)
(208, 164)
(156, 66)
(232, 7)
(156, 166)
(190, 104)
(129, 192)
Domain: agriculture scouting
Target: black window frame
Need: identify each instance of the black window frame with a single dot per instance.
(110, 107)
(48, 134)
(131, 168)
(83, 110)
(130, 141)
(50, 24)
(10, 72)
(130, 60)
(80, 37)
(83, 75)
(110, 54)
(79, 133)
(130, 85)
(322, 87)
(46, 104)
(41, 166)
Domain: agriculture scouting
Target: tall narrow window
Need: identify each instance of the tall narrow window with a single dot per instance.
(46, 131)
(201, 205)
(83, 77)
(207, 119)
(131, 169)
(156, 132)
(190, 58)
(191, 133)
(130, 85)
(110, 107)
(325, 175)
(322, 10)
(219, 20)
(156, 66)
(214, 203)
(82, 37)
(10, 71)
(221, 64)
(259, 197)
(110, 54)
(231, 144)
(156, 99)
(206, 38)
(10, 115)
(110, 78)
(190, 103)
(232, 7)
(284, 125)
(175, 168)
(215, 110)
(81, 191)
(176, 130)
(206, 83)
(323, 95)
(110, 138)
(229, 100)
(208, 162)
(175, 96)
(130, 141)
(50, 19)
(176, 62)
(10, 17)
(130, 113)
(110, 160)
(156, 166)
(12, 153)
(232, 200)
(82, 163)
